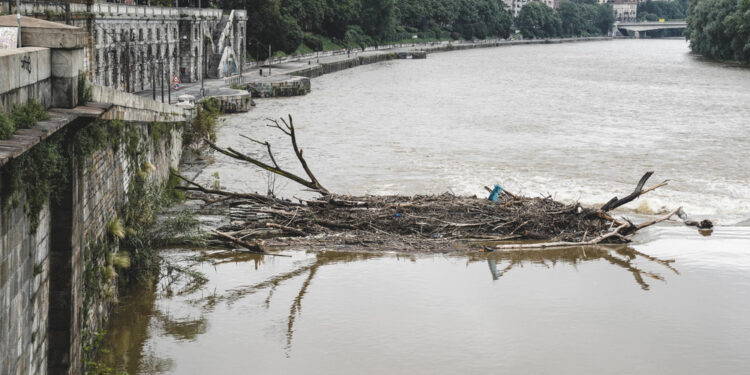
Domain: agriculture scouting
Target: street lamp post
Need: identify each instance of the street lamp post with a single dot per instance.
(203, 68)
(18, 16)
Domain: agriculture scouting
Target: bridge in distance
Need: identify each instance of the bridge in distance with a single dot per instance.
(636, 28)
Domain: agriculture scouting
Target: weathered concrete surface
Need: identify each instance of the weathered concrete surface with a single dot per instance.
(62, 63)
(233, 103)
(130, 107)
(41, 33)
(281, 85)
(127, 45)
(66, 65)
(24, 139)
(24, 74)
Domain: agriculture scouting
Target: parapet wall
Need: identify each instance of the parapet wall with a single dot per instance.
(25, 74)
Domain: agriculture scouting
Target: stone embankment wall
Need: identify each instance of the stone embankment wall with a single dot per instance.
(99, 194)
(129, 107)
(24, 291)
(42, 294)
(293, 86)
(331, 67)
(234, 103)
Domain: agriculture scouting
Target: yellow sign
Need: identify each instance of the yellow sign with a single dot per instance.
(661, 19)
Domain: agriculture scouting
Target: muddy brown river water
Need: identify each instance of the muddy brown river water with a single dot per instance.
(576, 121)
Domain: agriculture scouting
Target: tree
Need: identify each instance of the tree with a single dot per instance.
(720, 29)
(339, 15)
(376, 18)
(308, 13)
(537, 20)
(585, 17)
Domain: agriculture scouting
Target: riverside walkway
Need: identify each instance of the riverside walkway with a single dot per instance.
(282, 68)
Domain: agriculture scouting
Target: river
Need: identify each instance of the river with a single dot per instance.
(581, 122)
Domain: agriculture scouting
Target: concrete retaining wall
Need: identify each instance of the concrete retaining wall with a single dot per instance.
(327, 68)
(25, 74)
(293, 86)
(136, 108)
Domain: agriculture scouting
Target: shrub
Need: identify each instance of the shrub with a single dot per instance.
(84, 89)
(203, 124)
(27, 115)
(7, 128)
(314, 43)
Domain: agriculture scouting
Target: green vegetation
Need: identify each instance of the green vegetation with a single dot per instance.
(40, 173)
(305, 26)
(7, 128)
(537, 20)
(585, 18)
(668, 10)
(25, 116)
(204, 124)
(572, 18)
(21, 117)
(84, 89)
(720, 29)
(144, 202)
(321, 25)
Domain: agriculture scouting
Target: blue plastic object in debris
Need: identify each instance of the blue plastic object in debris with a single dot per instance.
(495, 193)
(398, 215)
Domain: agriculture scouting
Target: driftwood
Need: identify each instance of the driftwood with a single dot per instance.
(256, 247)
(617, 232)
(430, 222)
(703, 224)
(288, 129)
(614, 202)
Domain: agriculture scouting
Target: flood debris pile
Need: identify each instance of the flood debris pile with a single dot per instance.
(423, 222)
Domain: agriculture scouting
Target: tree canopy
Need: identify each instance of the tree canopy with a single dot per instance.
(537, 20)
(286, 24)
(720, 29)
(669, 10)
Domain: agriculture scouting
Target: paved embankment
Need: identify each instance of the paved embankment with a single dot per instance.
(283, 79)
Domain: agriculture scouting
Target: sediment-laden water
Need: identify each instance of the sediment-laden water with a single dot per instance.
(576, 121)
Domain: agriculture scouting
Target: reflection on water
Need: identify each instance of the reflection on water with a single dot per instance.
(619, 256)
(394, 313)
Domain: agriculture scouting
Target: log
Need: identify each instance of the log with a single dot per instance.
(614, 202)
(616, 232)
(254, 248)
(703, 224)
(288, 229)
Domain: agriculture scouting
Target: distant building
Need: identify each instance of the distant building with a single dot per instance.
(515, 5)
(135, 47)
(625, 10)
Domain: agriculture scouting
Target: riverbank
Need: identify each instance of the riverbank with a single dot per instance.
(281, 77)
(316, 64)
